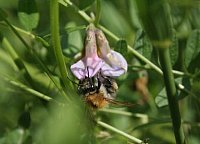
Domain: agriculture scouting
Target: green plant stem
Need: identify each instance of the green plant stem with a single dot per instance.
(26, 88)
(171, 94)
(98, 12)
(125, 113)
(54, 23)
(82, 13)
(109, 127)
(137, 54)
(30, 90)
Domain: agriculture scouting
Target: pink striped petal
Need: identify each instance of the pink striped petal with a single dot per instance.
(115, 65)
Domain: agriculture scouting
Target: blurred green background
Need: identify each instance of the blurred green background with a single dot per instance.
(26, 118)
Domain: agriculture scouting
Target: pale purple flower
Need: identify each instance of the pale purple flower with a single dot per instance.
(90, 64)
(114, 63)
(104, 60)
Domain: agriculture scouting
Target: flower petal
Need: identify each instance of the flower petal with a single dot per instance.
(90, 64)
(102, 43)
(86, 67)
(78, 69)
(115, 65)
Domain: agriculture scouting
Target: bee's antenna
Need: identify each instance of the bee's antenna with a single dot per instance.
(89, 77)
(88, 72)
(99, 82)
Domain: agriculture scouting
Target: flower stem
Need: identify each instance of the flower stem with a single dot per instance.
(26, 88)
(54, 23)
(82, 13)
(98, 12)
(132, 138)
(171, 94)
(125, 113)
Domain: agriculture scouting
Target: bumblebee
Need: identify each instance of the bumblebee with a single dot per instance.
(98, 91)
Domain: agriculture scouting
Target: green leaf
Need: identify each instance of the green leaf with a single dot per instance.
(3, 15)
(142, 44)
(161, 99)
(121, 47)
(28, 14)
(192, 47)
(83, 4)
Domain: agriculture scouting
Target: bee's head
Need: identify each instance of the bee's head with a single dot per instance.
(89, 85)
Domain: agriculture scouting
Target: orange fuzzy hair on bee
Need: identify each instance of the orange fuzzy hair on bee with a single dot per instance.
(96, 100)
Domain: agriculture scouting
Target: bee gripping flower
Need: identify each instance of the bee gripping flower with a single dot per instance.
(98, 57)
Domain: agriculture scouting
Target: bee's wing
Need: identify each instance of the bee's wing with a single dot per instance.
(120, 103)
